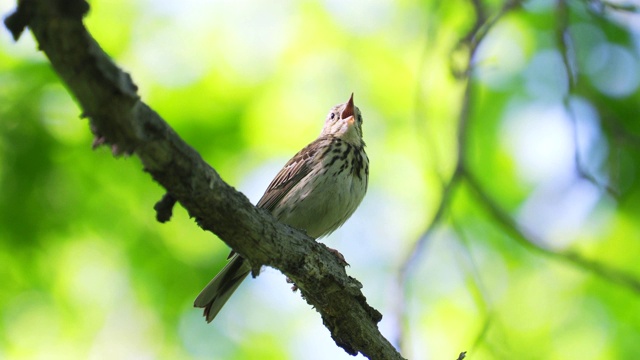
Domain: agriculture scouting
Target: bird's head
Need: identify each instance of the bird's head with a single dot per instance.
(344, 121)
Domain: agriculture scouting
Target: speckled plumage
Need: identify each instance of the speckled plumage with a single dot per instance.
(316, 191)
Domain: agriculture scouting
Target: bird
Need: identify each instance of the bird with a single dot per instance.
(316, 191)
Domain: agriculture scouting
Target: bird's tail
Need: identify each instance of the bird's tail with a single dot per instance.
(213, 297)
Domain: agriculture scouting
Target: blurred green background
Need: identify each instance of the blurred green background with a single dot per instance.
(86, 271)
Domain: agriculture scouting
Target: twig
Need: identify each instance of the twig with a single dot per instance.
(565, 45)
(480, 294)
(601, 6)
(416, 252)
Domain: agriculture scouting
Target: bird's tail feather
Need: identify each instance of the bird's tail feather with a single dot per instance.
(213, 297)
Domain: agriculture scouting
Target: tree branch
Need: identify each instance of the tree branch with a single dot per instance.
(531, 242)
(119, 118)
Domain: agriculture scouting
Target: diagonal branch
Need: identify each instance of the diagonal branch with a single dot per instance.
(531, 242)
(119, 118)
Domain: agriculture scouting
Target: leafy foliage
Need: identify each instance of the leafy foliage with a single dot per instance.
(529, 252)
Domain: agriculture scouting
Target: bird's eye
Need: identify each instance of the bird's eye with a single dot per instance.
(333, 115)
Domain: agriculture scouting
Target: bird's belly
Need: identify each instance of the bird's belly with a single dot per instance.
(323, 208)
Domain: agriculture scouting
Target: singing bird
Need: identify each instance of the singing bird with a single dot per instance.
(317, 190)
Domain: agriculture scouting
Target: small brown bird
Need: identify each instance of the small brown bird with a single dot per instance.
(316, 191)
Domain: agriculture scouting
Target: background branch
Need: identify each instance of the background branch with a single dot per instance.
(529, 241)
(464, 176)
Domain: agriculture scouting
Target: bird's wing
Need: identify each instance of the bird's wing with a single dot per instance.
(293, 171)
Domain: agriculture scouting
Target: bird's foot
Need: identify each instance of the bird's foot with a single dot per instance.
(294, 287)
(339, 256)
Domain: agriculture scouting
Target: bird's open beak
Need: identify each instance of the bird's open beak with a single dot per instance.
(348, 113)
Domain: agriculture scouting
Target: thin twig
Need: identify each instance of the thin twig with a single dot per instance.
(480, 292)
(567, 52)
(602, 6)
(416, 252)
